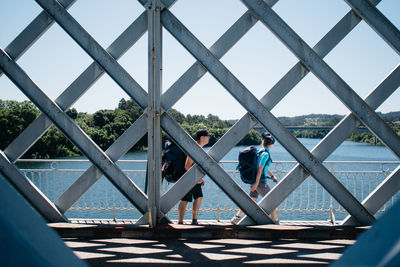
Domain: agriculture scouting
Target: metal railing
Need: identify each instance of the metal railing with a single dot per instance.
(102, 200)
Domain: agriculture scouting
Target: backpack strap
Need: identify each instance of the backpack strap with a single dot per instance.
(269, 156)
(269, 160)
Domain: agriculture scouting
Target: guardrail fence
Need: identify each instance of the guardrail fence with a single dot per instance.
(310, 201)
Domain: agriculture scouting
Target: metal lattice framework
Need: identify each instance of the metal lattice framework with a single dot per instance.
(155, 105)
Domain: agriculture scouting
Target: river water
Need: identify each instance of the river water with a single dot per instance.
(100, 200)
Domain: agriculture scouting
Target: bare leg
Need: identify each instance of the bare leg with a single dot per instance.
(273, 216)
(181, 211)
(196, 207)
(240, 212)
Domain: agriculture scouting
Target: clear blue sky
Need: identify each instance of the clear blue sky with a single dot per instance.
(259, 60)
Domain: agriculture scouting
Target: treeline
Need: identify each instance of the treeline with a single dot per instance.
(311, 120)
(391, 118)
(103, 127)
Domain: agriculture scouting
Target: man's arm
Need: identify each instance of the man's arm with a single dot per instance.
(188, 164)
(272, 176)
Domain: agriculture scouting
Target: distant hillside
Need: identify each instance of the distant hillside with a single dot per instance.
(311, 120)
(391, 116)
(105, 126)
(328, 119)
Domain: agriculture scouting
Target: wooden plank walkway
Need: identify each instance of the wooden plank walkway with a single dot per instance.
(211, 243)
(201, 222)
(205, 230)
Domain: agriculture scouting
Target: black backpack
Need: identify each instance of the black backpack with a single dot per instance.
(173, 163)
(247, 165)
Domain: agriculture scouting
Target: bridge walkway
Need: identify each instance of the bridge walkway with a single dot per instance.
(211, 243)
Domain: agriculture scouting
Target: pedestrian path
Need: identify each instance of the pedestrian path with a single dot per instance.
(210, 252)
(201, 222)
(208, 230)
(116, 243)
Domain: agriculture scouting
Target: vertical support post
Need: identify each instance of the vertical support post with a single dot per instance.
(154, 110)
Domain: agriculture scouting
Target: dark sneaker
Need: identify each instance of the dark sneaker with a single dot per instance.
(194, 222)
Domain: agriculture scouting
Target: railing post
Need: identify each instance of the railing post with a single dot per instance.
(154, 110)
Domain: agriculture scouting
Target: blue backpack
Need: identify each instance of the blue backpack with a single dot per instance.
(173, 163)
(247, 165)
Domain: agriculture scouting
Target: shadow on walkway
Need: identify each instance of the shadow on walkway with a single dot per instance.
(217, 252)
(207, 245)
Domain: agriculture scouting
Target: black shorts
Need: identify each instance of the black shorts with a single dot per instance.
(195, 193)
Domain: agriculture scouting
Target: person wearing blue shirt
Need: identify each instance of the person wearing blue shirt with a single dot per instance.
(260, 186)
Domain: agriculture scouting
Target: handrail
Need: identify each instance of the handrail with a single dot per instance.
(223, 161)
(308, 198)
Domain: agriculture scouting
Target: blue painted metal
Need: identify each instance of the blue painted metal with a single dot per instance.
(379, 246)
(37, 199)
(25, 240)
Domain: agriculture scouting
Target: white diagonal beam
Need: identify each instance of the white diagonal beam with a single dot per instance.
(33, 132)
(278, 91)
(381, 25)
(119, 148)
(184, 83)
(28, 189)
(213, 170)
(77, 88)
(133, 134)
(326, 74)
(67, 98)
(73, 132)
(327, 145)
(87, 43)
(243, 96)
(32, 33)
(38, 127)
(219, 49)
(77, 32)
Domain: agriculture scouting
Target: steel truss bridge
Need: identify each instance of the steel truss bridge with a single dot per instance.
(157, 15)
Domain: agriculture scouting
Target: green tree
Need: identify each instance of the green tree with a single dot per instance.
(14, 118)
(176, 115)
(131, 107)
(53, 144)
(252, 138)
(105, 126)
(103, 117)
(72, 113)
